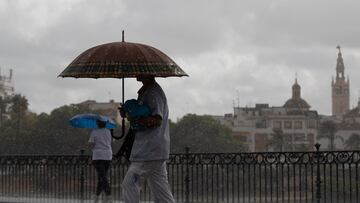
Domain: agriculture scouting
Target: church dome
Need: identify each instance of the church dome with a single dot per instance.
(298, 103)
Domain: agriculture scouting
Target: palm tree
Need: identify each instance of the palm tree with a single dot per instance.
(353, 143)
(277, 141)
(328, 130)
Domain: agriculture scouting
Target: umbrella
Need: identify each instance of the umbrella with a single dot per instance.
(89, 121)
(122, 60)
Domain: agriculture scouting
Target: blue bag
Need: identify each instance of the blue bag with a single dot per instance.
(135, 111)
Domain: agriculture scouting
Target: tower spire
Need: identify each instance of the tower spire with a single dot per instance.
(296, 89)
(340, 68)
(338, 47)
(340, 88)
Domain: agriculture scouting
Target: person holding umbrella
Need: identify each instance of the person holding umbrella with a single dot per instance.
(151, 147)
(100, 144)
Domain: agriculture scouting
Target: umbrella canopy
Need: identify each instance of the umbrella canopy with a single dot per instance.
(122, 60)
(89, 121)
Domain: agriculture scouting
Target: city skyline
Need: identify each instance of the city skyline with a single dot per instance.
(244, 49)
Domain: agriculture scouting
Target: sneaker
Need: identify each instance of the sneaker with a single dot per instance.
(107, 199)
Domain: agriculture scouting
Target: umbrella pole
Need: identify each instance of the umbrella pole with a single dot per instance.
(123, 119)
(123, 101)
(123, 96)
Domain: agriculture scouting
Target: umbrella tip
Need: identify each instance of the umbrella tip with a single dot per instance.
(123, 36)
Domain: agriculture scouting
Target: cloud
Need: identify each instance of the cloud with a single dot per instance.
(235, 49)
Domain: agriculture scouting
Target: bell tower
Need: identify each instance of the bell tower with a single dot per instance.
(340, 89)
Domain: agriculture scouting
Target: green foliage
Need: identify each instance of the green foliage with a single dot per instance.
(28, 133)
(202, 134)
(56, 135)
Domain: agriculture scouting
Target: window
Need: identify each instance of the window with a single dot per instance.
(261, 124)
(298, 125)
(299, 137)
(276, 124)
(243, 138)
(311, 123)
(310, 137)
(287, 124)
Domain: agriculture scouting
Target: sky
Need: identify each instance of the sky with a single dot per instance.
(236, 52)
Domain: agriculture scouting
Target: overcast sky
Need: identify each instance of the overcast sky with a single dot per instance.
(235, 51)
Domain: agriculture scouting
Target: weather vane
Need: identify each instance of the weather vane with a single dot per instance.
(338, 47)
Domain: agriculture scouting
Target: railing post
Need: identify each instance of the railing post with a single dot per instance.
(187, 175)
(318, 178)
(82, 174)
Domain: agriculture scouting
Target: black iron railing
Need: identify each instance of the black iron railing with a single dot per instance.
(319, 176)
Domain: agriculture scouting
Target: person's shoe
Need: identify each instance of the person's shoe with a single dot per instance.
(107, 199)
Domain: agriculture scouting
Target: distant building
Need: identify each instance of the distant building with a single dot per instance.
(353, 116)
(347, 121)
(254, 126)
(340, 89)
(106, 108)
(6, 85)
(7, 90)
(349, 125)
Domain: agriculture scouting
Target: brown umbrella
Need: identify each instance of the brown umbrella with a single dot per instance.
(122, 60)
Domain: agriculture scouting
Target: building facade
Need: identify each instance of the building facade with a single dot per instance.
(7, 91)
(6, 85)
(106, 108)
(340, 89)
(256, 126)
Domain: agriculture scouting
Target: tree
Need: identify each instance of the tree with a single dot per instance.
(4, 102)
(328, 130)
(202, 134)
(54, 134)
(18, 109)
(353, 143)
(15, 130)
(43, 133)
(277, 142)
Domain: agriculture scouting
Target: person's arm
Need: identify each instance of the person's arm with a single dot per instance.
(150, 121)
(91, 142)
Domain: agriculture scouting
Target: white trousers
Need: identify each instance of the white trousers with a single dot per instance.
(154, 172)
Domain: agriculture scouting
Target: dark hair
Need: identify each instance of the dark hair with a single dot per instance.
(101, 124)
